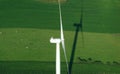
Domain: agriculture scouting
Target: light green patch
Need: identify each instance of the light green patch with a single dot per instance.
(107, 3)
(117, 3)
(51, 1)
(34, 44)
(99, 46)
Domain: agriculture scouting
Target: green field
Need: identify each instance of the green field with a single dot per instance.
(26, 27)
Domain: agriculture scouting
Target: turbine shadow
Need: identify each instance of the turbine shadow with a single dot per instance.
(78, 26)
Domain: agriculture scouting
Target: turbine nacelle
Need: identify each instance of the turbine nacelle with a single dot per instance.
(55, 40)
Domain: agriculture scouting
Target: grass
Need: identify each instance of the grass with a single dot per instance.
(23, 67)
(33, 44)
(51, 1)
(27, 25)
(24, 13)
(16, 58)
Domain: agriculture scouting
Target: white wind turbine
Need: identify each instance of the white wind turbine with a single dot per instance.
(58, 41)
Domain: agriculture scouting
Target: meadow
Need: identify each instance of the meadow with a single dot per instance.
(26, 27)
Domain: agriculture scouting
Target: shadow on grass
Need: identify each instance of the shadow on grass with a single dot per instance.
(38, 67)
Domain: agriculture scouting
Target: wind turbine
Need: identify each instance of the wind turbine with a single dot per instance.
(78, 26)
(57, 41)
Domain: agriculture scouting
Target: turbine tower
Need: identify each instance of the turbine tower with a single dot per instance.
(57, 41)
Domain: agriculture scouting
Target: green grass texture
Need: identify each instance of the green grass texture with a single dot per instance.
(34, 44)
(26, 27)
(98, 16)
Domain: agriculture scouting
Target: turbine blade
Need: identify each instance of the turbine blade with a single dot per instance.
(61, 27)
(62, 35)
